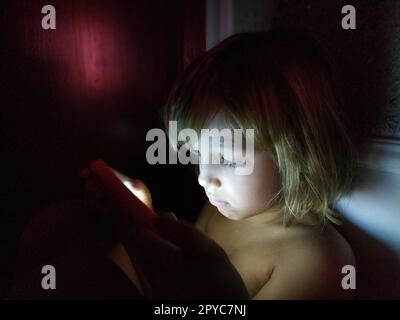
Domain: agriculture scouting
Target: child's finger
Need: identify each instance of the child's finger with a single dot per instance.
(140, 190)
(137, 187)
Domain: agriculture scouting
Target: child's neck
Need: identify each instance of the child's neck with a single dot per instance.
(270, 216)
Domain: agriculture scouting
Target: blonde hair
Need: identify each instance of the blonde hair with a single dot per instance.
(282, 85)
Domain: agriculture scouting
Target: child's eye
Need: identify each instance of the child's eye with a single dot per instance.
(227, 163)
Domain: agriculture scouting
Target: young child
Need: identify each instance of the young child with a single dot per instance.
(274, 224)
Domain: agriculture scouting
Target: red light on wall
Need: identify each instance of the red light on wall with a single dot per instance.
(94, 57)
(89, 53)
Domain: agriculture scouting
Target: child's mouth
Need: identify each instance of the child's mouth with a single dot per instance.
(218, 203)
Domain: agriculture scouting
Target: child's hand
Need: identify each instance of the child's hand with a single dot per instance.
(138, 188)
(180, 262)
(94, 192)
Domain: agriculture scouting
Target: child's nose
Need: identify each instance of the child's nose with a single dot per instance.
(207, 179)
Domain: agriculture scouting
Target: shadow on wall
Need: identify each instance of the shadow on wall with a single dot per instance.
(371, 227)
(364, 57)
(377, 269)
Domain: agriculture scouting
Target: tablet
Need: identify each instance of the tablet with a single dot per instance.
(121, 197)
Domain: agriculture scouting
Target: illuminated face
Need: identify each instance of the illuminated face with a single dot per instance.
(238, 196)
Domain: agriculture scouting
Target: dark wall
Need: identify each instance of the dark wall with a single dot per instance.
(90, 89)
(365, 57)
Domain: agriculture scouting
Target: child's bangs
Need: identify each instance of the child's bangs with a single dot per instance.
(212, 86)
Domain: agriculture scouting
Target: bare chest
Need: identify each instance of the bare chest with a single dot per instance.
(247, 248)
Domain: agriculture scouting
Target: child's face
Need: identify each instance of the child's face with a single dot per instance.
(239, 196)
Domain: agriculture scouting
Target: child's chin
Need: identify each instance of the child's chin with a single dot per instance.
(230, 214)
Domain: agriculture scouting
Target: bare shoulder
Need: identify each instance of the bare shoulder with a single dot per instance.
(321, 242)
(308, 265)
